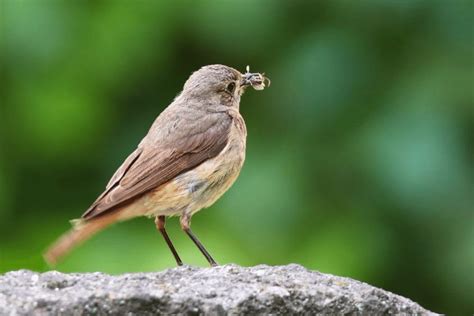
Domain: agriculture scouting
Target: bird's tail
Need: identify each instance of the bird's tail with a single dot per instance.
(81, 231)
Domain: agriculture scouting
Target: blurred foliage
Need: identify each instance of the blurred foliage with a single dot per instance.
(360, 155)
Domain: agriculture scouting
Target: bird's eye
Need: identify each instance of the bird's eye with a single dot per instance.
(231, 87)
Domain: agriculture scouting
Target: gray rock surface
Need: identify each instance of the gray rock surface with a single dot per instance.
(224, 290)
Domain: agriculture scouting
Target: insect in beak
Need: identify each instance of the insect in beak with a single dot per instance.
(256, 80)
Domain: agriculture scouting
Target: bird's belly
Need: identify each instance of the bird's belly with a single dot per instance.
(200, 187)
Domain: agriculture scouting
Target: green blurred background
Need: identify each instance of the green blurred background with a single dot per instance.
(359, 159)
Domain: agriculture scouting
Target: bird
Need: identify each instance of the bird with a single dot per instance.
(189, 158)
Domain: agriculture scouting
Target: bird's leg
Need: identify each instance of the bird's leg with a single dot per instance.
(185, 221)
(160, 225)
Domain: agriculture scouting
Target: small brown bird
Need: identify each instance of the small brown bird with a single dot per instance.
(191, 155)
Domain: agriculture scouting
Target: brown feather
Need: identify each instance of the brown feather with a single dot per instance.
(82, 231)
(157, 161)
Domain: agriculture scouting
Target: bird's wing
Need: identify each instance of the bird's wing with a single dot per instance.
(156, 161)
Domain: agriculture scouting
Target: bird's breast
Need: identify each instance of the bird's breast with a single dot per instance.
(202, 186)
(214, 177)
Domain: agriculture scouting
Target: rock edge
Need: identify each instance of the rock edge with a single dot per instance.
(223, 290)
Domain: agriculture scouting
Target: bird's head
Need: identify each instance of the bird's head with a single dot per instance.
(222, 84)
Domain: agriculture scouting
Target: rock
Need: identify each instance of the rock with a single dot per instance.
(223, 290)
